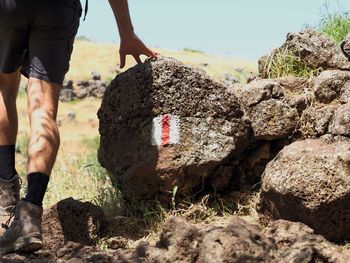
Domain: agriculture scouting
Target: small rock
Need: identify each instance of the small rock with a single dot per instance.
(340, 124)
(345, 46)
(117, 243)
(67, 84)
(332, 85)
(95, 75)
(82, 83)
(71, 220)
(315, 120)
(67, 95)
(71, 116)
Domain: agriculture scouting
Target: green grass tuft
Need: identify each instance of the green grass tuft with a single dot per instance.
(283, 63)
(335, 25)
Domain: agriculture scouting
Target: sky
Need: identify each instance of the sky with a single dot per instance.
(246, 29)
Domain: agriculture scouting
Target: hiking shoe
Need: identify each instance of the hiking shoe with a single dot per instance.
(9, 194)
(24, 233)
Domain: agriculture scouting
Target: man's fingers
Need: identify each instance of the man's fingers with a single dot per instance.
(137, 58)
(151, 53)
(122, 59)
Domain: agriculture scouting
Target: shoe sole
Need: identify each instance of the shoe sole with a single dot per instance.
(24, 244)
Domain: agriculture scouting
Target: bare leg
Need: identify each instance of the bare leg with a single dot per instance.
(9, 84)
(44, 136)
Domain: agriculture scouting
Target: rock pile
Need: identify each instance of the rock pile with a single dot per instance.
(165, 125)
(94, 87)
(279, 242)
(315, 49)
(278, 110)
(308, 181)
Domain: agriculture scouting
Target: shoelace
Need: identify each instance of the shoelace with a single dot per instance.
(12, 213)
(7, 224)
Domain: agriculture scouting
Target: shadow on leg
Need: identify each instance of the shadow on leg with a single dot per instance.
(44, 136)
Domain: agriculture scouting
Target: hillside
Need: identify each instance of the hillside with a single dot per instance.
(90, 56)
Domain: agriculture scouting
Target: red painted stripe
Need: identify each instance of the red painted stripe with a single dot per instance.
(166, 129)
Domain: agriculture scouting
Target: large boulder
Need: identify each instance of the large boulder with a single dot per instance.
(269, 111)
(315, 49)
(309, 182)
(165, 125)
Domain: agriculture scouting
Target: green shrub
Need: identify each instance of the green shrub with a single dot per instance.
(335, 25)
(282, 63)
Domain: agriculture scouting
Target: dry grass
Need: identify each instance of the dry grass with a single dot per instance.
(283, 63)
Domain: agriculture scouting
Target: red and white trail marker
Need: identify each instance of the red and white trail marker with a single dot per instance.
(166, 130)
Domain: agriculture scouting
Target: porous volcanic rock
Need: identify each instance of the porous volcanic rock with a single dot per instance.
(297, 243)
(340, 124)
(144, 159)
(71, 220)
(345, 46)
(332, 85)
(236, 242)
(309, 182)
(315, 120)
(315, 49)
(270, 114)
(297, 92)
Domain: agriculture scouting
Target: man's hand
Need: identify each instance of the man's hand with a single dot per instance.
(132, 45)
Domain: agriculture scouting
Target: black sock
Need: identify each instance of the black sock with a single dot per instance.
(7, 162)
(37, 185)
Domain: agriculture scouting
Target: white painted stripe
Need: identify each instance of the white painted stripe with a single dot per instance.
(174, 129)
(157, 131)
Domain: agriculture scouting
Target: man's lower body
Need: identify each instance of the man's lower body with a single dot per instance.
(36, 39)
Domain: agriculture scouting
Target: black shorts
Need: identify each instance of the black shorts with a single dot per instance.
(37, 36)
